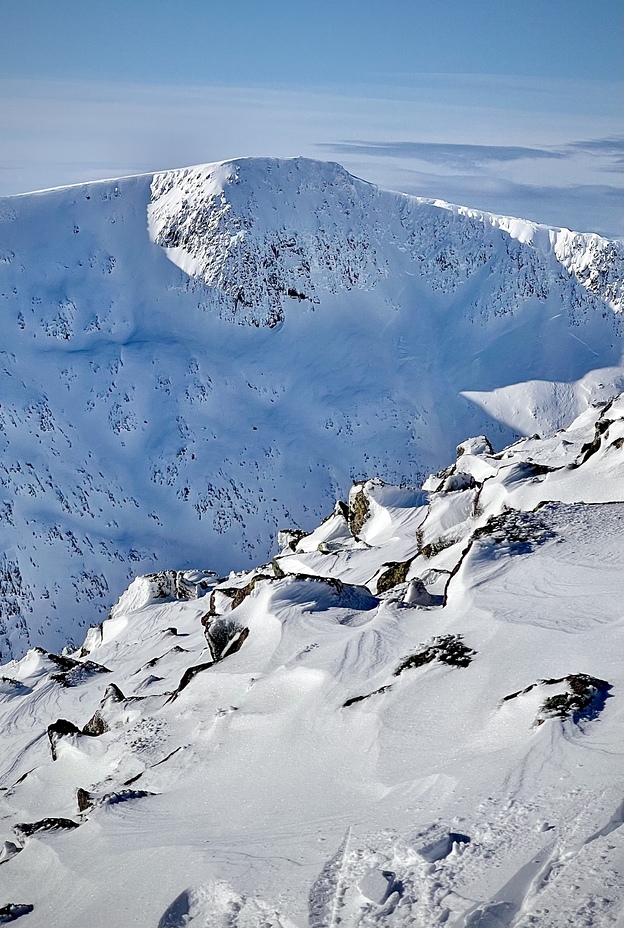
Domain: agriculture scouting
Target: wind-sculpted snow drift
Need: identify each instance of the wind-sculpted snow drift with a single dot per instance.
(410, 717)
(141, 429)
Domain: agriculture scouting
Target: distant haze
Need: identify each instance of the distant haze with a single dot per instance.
(511, 108)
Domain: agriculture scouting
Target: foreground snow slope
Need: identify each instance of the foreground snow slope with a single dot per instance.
(411, 717)
(140, 427)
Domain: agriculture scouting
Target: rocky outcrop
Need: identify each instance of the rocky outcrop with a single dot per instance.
(359, 509)
(27, 829)
(582, 696)
(207, 218)
(392, 574)
(60, 729)
(165, 585)
(74, 672)
(447, 649)
(14, 910)
(86, 800)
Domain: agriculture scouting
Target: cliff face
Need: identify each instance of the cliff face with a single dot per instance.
(140, 429)
(258, 231)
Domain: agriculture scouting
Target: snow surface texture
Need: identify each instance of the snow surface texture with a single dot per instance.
(411, 717)
(141, 429)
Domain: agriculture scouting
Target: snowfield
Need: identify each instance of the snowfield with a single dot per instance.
(411, 716)
(280, 647)
(195, 359)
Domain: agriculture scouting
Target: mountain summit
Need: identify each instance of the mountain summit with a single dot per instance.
(258, 232)
(142, 429)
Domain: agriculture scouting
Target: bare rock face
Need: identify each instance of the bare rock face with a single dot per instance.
(26, 829)
(580, 697)
(60, 729)
(14, 910)
(448, 649)
(210, 223)
(392, 574)
(359, 509)
(74, 672)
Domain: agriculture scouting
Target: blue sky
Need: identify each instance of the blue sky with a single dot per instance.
(508, 106)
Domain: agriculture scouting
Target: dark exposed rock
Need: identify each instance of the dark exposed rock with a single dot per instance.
(174, 584)
(96, 725)
(522, 471)
(11, 687)
(395, 573)
(226, 640)
(176, 914)
(277, 570)
(62, 661)
(14, 910)
(57, 730)
(295, 295)
(73, 672)
(289, 538)
(417, 594)
(112, 693)
(87, 800)
(125, 795)
(584, 699)
(359, 511)
(235, 643)
(84, 799)
(138, 776)
(457, 482)
(156, 660)
(354, 699)
(448, 649)
(590, 448)
(187, 676)
(25, 829)
(478, 445)
(523, 531)
(223, 635)
(439, 478)
(237, 595)
(347, 595)
(436, 547)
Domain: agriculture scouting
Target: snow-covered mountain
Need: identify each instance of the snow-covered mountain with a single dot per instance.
(410, 717)
(142, 429)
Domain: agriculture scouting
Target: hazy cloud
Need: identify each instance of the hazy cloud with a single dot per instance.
(610, 146)
(533, 164)
(449, 154)
(568, 184)
(611, 149)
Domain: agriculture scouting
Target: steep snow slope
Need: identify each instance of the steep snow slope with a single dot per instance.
(411, 717)
(139, 427)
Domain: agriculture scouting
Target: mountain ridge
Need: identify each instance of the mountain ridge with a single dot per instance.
(141, 429)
